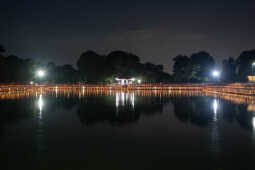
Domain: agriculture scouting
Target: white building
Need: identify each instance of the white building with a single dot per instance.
(124, 82)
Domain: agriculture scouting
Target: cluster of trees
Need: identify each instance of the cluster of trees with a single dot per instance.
(14, 69)
(243, 65)
(105, 68)
(198, 67)
(194, 68)
(17, 70)
(92, 68)
(61, 74)
(96, 68)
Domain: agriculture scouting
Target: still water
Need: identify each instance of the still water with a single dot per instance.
(120, 130)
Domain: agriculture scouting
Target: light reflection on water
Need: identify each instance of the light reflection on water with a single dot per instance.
(215, 145)
(253, 122)
(125, 99)
(215, 108)
(147, 122)
(40, 145)
(40, 105)
(253, 130)
(56, 92)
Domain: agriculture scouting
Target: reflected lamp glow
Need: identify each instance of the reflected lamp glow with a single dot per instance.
(40, 105)
(83, 90)
(117, 100)
(253, 122)
(40, 102)
(124, 99)
(56, 91)
(215, 108)
(133, 100)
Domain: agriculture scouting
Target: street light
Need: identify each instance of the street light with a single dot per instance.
(40, 73)
(139, 81)
(253, 64)
(216, 74)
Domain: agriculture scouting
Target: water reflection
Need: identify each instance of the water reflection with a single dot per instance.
(215, 108)
(253, 122)
(40, 127)
(215, 146)
(56, 91)
(120, 107)
(124, 99)
(194, 110)
(202, 112)
(253, 133)
(40, 105)
(127, 125)
(13, 111)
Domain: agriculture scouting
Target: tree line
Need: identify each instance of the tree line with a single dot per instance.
(91, 68)
(105, 68)
(199, 66)
(96, 68)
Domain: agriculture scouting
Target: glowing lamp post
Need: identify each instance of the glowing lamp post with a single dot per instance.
(40, 73)
(253, 64)
(216, 74)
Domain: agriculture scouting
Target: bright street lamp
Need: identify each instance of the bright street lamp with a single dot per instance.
(253, 64)
(40, 73)
(216, 73)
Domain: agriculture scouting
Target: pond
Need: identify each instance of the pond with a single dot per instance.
(126, 130)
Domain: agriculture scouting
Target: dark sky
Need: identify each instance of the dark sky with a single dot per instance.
(156, 31)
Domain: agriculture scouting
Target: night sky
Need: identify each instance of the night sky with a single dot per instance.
(154, 30)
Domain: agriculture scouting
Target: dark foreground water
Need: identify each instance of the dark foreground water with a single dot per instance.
(126, 131)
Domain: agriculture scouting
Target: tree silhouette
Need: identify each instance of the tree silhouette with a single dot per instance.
(98, 68)
(182, 68)
(202, 65)
(91, 66)
(244, 64)
(2, 50)
(196, 68)
(229, 70)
